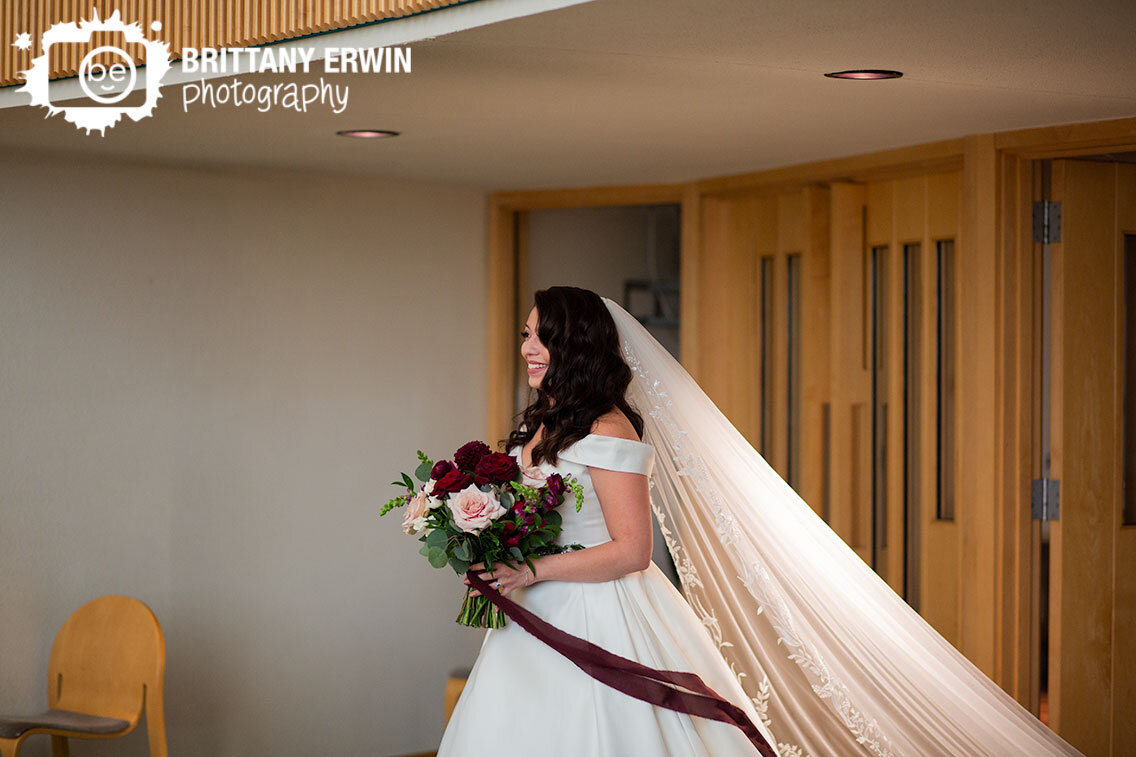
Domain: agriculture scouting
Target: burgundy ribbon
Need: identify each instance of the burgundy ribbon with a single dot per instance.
(628, 676)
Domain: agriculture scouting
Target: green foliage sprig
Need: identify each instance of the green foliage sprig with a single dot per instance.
(577, 489)
(398, 501)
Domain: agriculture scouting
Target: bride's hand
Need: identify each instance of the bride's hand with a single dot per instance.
(502, 577)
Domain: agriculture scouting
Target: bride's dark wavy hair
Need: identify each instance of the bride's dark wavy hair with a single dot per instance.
(586, 374)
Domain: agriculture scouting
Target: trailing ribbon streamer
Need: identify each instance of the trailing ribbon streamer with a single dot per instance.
(628, 676)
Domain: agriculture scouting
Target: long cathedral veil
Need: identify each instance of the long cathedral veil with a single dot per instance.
(835, 662)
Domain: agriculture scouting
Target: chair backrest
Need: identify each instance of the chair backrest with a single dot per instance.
(104, 658)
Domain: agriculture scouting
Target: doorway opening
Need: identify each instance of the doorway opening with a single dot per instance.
(628, 253)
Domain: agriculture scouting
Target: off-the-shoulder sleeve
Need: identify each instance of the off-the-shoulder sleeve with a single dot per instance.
(612, 453)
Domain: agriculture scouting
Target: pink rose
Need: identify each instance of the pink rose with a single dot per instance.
(474, 509)
(416, 511)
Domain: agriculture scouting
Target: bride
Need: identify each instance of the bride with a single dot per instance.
(776, 614)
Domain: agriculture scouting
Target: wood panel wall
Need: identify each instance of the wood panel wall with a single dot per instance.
(742, 362)
(833, 227)
(185, 23)
(977, 574)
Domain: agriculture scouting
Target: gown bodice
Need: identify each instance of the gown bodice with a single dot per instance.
(587, 527)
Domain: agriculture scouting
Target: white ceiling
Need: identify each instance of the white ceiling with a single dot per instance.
(628, 91)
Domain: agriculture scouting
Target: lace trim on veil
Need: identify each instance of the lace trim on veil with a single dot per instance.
(756, 580)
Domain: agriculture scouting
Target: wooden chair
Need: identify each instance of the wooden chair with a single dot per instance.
(106, 670)
(454, 687)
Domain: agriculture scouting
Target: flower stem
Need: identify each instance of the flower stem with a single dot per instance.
(479, 612)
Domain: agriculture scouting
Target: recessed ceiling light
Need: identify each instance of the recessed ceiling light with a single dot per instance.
(367, 133)
(865, 73)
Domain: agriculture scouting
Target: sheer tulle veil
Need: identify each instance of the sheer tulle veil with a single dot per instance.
(835, 662)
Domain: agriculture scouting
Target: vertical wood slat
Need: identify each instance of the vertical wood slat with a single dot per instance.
(1018, 588)
(759, 241)
(209, 23)
(714, 277)
(790, 235)
(846, 368)
(815, 329)
(975, 451)
(938, 539)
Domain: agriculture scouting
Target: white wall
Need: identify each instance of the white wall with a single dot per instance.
(599, 248)
(207, 380)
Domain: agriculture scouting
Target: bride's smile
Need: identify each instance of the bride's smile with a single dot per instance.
(534, 353)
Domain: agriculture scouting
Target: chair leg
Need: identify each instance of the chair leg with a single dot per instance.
(10, 747)
(60, 747)
(156, 723)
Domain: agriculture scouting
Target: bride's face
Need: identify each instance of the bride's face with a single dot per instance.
(534, 353)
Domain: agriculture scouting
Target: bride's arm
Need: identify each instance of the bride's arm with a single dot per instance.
(626, 504)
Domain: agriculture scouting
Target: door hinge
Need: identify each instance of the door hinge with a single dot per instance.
(1045, 499)
(1046, 222)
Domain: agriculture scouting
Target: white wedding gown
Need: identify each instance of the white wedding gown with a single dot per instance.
(523, 698)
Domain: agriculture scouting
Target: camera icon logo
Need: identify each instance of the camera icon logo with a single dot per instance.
(107, 73)
(99, 81)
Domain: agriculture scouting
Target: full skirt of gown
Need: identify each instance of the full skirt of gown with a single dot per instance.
(524, 699)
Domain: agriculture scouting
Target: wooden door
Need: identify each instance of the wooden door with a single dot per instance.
(1092, 575)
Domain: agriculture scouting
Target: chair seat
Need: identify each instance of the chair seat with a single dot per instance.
(63, 720)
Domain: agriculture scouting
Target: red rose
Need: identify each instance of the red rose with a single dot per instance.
(469, 454)
(454, 481)
(441, 468)
(495, 468)
(513, 541)
(556, 485)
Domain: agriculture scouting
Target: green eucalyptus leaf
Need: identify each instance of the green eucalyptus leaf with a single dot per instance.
(438, 538)
(422, 472)
(437, 557)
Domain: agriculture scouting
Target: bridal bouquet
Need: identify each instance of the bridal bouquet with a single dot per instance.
(475, 508)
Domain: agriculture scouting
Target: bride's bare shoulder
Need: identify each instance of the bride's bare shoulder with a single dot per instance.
(615, 423)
